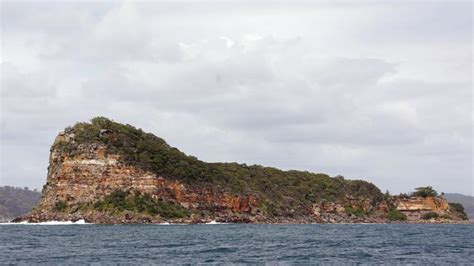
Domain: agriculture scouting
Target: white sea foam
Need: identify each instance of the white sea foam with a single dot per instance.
(214, 222)
(82, 221)
(51, 223)
(167, 223)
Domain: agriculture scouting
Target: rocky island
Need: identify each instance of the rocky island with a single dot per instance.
(107, 172)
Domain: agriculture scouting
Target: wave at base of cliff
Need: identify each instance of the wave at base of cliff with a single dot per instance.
(215, 222)
(78, 222)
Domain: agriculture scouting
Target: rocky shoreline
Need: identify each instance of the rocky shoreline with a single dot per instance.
(134, 218)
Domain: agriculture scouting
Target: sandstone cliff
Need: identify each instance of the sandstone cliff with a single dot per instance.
(91, 173)
(106, 172)
(415, 207)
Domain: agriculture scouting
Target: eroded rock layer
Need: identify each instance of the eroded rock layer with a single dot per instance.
(415, 207)
(91, 173)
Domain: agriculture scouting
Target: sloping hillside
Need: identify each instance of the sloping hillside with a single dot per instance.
(15, 202)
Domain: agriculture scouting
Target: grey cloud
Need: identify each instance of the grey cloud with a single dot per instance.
(297, 90)
(20, 85)
(452, 20)
(349, 72)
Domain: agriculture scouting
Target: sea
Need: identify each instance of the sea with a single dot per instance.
(73, 243)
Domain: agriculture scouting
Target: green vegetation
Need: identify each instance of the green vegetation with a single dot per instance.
(430, 215)
(119, 201)
(396, 215)
(445, 216)
(459, 208)
(425, 192)
(359, 212)
(456, 207)
(60, 206)
(467, 202)
(279, 192)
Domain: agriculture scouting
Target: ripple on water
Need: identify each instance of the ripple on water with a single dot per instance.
(218, 250)
(273, 244)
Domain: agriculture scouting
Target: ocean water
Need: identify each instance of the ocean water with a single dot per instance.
(237, 243)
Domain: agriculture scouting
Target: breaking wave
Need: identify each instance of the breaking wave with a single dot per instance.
(214, 222)
(82, 221)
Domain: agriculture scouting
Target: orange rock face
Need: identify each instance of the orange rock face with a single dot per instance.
(415, 207)
(434, 204)
(93, 173)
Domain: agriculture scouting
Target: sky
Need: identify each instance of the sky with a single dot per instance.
(377, 90)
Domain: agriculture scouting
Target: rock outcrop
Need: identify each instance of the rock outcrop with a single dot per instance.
(105, 172)
(415, 207)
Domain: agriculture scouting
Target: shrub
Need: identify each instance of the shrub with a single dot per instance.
(359, 212)
(425, 192)
(119, 201)
(396, 215)
(445, 216)
(170, 210)
(457, 207)
(429, 215)
(403, 196)
(60, 206)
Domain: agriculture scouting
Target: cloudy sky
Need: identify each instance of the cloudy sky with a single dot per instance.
(378, 91)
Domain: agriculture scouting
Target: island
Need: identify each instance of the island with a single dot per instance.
(110, 173)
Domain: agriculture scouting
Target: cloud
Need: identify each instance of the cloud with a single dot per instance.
(325, 88)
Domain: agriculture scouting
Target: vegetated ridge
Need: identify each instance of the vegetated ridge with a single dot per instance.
(107, 172)
(15, 201)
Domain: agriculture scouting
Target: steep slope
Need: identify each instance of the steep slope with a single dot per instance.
(106, 172)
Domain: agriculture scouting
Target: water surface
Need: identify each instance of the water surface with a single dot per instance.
(237, 243)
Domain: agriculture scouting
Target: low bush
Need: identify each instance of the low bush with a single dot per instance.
(457, 207)
(60, 206)
(424, 192)
(120, 201)
(445, 216)
(430, 215)
(396, 215)
(359, 212)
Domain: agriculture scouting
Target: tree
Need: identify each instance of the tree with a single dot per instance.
(424, 192)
